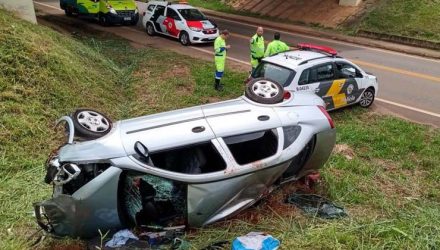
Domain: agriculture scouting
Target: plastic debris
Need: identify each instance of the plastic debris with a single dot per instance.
(120, 238)
(255, 241)
(316, 205)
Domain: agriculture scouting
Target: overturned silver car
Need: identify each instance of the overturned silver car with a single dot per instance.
(192, 166)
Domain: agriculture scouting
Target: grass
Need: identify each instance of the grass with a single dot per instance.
(385, 170)
(417, 19)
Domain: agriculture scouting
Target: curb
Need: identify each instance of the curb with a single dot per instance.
(368, 42)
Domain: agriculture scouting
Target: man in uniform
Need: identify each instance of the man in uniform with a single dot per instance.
(276, 46)
(257, 48)
(220, 48)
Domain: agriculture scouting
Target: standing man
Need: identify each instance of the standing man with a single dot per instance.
(276, 46)
(257, 48)
(220, 48)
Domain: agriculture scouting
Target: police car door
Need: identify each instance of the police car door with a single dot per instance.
(146, 10)
(171, 22)
(352, 78)
(308, 81)
(158, 17)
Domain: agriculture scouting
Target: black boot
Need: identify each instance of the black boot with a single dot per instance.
(217, 85)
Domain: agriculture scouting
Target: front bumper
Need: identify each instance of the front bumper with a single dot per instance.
(123, 17)
(200, 37)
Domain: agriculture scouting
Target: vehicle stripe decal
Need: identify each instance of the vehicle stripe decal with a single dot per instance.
(339, 98)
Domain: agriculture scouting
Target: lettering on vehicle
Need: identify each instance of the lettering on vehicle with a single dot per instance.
(302, 88)
(350, 98)
(350, 89)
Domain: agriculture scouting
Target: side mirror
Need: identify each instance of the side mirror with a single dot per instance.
(141, 150)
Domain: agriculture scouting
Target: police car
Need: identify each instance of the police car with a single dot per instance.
(319, 69)
(180, 21)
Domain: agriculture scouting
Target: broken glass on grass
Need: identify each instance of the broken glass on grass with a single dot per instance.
(316, 205)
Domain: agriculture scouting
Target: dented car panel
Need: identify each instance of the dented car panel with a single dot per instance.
(202, 164)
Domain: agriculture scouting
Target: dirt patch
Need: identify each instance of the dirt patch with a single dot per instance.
(344, 150)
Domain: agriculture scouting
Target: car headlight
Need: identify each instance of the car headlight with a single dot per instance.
(113, 11)
(195, 29)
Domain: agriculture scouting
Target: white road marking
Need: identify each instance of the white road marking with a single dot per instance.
(247, 63)
(332, 41)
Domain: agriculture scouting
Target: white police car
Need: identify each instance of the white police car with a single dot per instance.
(180, 21)
(318, 69)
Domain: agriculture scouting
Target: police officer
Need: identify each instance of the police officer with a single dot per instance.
(276, 46)
(257, 48)
(220, 48)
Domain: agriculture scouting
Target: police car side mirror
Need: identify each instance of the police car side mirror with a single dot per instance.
(141, 150)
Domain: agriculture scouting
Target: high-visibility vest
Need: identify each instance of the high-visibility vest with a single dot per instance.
(274, 47)
(257, 47)
(220, 47)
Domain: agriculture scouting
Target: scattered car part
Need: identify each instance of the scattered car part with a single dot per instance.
(316, 205)
(192, 166)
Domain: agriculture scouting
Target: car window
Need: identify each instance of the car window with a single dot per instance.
(160, 10)
(172, 14)
(324, 72)
(151, 7)
(193, 159)
(346, 70)
(192, 14)
(251, 147)
(274, 72)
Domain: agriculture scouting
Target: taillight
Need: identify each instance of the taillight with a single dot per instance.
(144, 13)
(330, 120)
(287, 95)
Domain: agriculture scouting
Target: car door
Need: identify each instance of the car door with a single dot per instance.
(353, 78)
(88, 6)
(171, 22)
(158, 17)
(322, 79)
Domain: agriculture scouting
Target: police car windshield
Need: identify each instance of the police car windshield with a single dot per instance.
(192, 14)
(274, 72)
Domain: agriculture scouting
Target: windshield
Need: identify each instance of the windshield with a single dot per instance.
(274, 72)
(192, 14)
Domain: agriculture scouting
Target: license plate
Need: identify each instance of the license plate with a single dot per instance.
(127, 18)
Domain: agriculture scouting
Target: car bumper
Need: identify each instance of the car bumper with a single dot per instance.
(200, 37)
(121, 19)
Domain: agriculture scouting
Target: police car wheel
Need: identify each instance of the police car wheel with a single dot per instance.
(184, 38)
(150, 29)
(264, 91)
(90, 123)
(367, 98)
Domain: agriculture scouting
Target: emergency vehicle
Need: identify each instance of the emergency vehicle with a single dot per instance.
(178, 20)
(320, 70)
(106, 11)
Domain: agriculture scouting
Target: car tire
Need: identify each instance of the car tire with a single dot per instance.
(184, 38)
(265, 91)
(103, 20)
(91, 124)
(150, 29)
(367, 98)
(68, 11)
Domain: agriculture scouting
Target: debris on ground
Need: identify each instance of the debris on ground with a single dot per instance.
(120, 238)
(220, 245)
(316, 205)
(255, 241)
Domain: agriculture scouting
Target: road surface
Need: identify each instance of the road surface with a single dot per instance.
(409, 86)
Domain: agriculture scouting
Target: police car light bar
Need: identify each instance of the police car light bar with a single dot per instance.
(308, 46)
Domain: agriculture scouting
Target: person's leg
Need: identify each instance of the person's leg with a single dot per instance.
(218, 77)
(220, 67)
(254, 64)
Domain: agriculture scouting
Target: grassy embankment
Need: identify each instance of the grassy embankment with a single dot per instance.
(385, 171)
(415, 19)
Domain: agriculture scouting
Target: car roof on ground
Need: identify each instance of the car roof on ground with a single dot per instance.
(294, 58)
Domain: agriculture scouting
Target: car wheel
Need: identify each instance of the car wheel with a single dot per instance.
(103, 20)
(367, 98)
(264, 91)
(90, 123)
(68, 11)
(150, 29)
(184, 38)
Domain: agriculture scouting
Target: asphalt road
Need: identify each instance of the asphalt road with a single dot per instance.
(409, 86)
